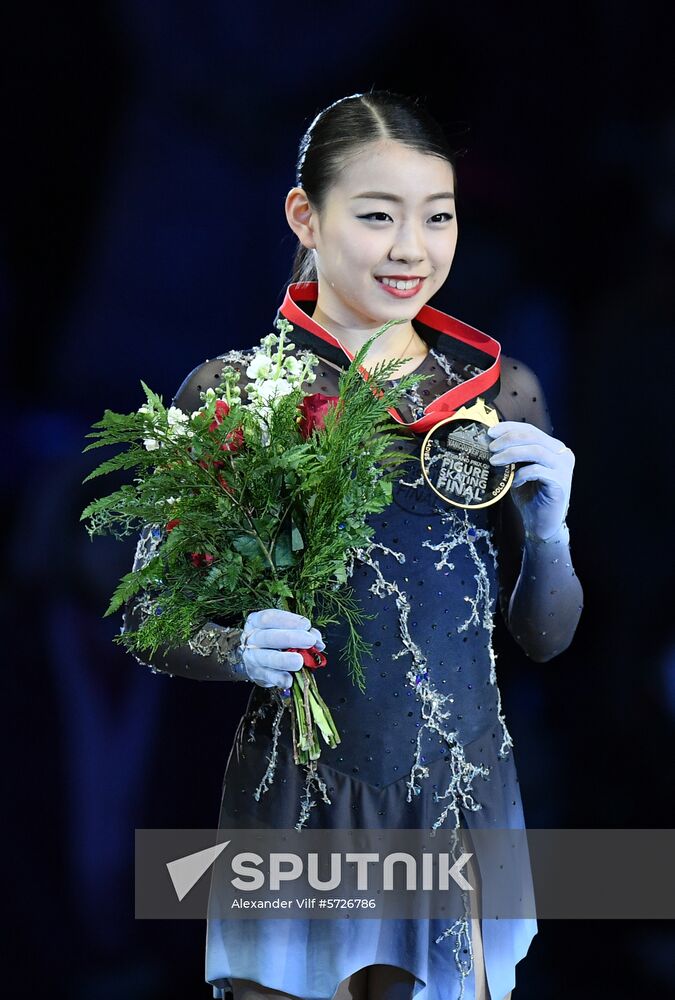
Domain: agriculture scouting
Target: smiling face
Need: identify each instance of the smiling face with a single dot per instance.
(361, 236)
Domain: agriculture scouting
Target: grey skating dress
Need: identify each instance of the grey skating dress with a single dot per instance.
(427, 745)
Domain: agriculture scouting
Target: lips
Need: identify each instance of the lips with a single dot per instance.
(401, 293)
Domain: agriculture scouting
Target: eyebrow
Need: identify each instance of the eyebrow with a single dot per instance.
(384, 196)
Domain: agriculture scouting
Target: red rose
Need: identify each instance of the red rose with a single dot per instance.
(313, 409)
(222, 410)
(201, 559)
(172, 524)
(208, 461)
(311, 657)
(235, 439)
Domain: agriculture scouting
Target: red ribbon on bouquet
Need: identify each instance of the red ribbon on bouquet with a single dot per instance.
(311, 657)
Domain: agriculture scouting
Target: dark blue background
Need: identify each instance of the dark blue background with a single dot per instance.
(147, 152)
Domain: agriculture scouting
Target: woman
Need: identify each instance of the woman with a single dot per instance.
(374, 210)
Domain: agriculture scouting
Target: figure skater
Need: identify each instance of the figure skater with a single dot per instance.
(375, 210)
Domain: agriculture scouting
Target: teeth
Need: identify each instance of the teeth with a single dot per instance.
(400, 284)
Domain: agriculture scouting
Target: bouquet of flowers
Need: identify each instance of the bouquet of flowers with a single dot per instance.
(257, 504)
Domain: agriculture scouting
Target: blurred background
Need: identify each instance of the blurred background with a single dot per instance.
(148, 152)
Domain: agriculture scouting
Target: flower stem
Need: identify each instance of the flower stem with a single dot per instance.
(280, 354)
(309, 713)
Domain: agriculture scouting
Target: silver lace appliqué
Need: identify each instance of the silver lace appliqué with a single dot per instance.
(146, 548)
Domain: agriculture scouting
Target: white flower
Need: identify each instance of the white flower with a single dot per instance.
(292, 365)
(260, 366)
(273, 388)
(176, 416)
(262, 413)
(146, 408)
(151, 444)
(283, 325)
(177, 421)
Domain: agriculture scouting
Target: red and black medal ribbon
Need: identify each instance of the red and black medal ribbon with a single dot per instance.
(443, 332)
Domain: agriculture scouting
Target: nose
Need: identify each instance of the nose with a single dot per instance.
(408, 245)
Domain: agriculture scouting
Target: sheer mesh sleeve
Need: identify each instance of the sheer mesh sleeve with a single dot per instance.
(540, 595)
(213, 653)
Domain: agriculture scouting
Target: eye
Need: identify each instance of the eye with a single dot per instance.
(371, 214)
(438, 215)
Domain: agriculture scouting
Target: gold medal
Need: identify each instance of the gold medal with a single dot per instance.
(455, 459)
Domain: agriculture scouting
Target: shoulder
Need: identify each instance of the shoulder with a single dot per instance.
(521, 395)
(206, 375)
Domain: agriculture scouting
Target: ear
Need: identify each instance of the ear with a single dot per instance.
(300, 216)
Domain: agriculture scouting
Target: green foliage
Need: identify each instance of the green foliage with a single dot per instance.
(131, 584)
(278, 517)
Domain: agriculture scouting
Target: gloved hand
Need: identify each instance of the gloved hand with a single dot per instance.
(542, 485)
(265, 636)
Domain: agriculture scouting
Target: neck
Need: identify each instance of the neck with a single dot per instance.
(398, 340)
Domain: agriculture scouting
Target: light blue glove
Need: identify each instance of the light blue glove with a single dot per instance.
(542, 485)
(265, 636)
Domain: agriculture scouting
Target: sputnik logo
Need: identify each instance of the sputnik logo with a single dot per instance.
(186, 872)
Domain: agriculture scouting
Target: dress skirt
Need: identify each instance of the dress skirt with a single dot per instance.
(310, 958)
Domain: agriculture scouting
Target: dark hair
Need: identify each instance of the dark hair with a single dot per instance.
(342, 129)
